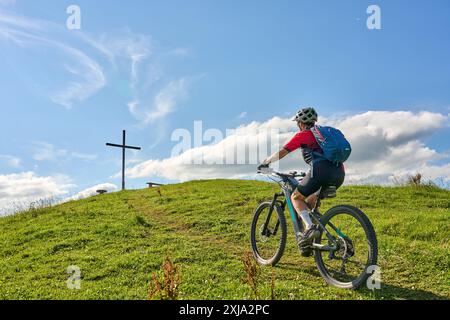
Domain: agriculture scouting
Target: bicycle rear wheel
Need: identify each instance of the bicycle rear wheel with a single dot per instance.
(347, 268)
(268, 234)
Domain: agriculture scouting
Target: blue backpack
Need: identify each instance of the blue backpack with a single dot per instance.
(335, 146)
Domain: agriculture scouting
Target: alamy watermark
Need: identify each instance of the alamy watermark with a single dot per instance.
(374, 281)
(241, 146)
(374, 20)
(73, 22)
(74, 280)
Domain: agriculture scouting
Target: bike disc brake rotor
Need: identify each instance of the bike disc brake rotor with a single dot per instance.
(345, 251)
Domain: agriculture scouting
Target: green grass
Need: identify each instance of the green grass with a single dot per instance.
(119, 239)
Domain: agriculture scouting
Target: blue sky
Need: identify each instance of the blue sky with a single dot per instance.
(205, 60)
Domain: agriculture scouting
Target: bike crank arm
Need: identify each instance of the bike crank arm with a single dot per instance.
(321, 247)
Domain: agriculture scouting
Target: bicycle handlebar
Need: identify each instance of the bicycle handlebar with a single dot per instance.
(269, 171)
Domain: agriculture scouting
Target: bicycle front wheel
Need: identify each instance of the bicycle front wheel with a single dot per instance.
(268, 234)
(348, 267)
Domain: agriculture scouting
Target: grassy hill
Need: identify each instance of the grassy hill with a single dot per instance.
(118, 240)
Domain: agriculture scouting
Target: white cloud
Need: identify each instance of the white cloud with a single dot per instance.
(92, 191)
(389, 143)
(20, 191)
(385, 145)
(17, 191)
(11, 161)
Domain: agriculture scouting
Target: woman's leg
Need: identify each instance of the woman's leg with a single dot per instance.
(302, 209)
(312, 200)
(299, 201)
(304, 197)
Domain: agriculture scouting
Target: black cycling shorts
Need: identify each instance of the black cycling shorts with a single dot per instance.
(324, 173)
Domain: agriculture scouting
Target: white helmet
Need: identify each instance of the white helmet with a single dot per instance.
(306, 115)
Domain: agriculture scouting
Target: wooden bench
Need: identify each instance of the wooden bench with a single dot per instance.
(152, 184)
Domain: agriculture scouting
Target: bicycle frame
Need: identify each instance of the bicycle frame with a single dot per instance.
(298, 228)
(286, 193)
(286, 184)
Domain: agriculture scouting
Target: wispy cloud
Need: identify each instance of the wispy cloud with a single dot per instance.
(88, 70)
(43, 151)
(181, 52)
(154, 95)
(165, 101)
(124, 49)
(242, 115)
(11, 161)
(84, 156)
(87, 76)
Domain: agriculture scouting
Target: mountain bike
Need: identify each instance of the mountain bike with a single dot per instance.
(346, 250)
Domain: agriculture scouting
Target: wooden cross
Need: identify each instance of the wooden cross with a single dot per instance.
(123, 146)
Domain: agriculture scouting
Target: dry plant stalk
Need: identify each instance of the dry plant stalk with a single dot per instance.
(252, 272)
(272, 286)
(415, 180)
(166, 287)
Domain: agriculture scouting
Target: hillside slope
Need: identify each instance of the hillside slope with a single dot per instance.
(118, 240)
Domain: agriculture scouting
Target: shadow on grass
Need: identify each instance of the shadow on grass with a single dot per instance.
(295, 267)
(387, 292)
(399, 293)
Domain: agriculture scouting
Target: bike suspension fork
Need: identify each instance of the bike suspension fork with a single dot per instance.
(272, 207)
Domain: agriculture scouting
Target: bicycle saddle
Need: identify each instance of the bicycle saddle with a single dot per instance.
(328, 192)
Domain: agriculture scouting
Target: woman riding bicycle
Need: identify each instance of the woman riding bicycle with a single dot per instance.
(323, 173)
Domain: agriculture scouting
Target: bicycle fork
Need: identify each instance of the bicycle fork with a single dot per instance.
(265, 231)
